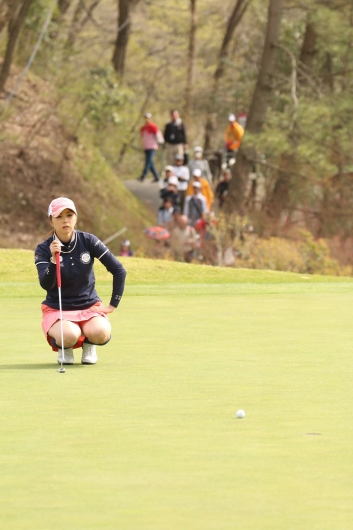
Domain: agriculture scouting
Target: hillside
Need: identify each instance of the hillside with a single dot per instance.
(41, 160)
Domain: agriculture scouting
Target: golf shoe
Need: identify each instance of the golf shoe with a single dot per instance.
(68, 356)
(89, 354)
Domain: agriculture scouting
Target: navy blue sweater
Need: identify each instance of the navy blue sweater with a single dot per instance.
(77, 276)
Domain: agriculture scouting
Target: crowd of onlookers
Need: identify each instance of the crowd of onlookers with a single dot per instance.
(188, 189)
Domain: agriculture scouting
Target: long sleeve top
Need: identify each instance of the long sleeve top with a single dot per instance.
(233, 136)
(149, 136)
(175, 133)
(77, 275)
(183, 174)
(206, 191)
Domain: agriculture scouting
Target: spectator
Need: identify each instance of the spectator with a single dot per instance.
(200, 163)
(151, 135)
(165, 212)
(223, 186)
(168, 172)
(125, 249)
(195, 205)
(175, 137)
(171, 190)
(233, 136)
(183, 240)
(183, 174)
(205, 188)
(175, 218)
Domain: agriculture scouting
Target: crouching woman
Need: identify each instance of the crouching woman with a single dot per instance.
(82, 310)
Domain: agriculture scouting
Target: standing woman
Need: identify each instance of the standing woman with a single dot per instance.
(83, 311)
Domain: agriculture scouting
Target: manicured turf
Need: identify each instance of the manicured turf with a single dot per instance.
(148, 439)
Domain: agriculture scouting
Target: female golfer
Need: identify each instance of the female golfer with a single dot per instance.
(83, 312)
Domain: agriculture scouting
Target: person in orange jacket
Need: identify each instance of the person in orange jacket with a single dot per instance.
(233, 136)
(206, 189)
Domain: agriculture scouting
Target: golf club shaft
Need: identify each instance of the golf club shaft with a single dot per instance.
(58, 279)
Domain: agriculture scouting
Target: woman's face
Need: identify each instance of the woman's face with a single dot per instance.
(64, 224)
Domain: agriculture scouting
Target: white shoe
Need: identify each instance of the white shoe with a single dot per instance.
(68, 356)
(89, 354)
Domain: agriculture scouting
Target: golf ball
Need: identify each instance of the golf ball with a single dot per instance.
(240, 414)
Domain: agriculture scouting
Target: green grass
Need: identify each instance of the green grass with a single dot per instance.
(148, 439)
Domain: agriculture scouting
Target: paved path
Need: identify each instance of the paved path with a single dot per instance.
(146, 191)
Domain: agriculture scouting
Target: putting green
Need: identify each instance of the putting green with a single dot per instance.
(148, 438)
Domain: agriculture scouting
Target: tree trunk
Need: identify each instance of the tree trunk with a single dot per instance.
(258, 105)
(80, 18)
(58, 16)
(4, 14)
(263, 88)
(13, 31)
(329, 75)
(74, 25)
(191, 61)
(63, 6)
(122, 40)
(237, 14)
(308, 49)
(307, 52)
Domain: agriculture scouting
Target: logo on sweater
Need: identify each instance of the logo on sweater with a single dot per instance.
(85, 257)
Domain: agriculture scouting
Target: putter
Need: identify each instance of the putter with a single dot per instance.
(61, 370)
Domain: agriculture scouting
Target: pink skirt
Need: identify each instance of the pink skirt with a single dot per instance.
(50, 316)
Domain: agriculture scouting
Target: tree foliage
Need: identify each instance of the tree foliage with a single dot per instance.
(302, 147)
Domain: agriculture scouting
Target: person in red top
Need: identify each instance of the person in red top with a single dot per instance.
(151, 137)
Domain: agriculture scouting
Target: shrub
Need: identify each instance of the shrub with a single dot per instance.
(304, 256)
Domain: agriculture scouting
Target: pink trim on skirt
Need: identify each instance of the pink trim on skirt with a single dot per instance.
(50, 316)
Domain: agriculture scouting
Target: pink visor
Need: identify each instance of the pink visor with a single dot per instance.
(59, 205)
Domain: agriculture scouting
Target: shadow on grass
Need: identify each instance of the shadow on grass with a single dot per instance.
(38, 366)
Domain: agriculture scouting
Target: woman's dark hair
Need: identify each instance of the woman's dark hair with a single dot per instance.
(51, 233)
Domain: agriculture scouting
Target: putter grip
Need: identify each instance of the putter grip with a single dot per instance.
(58, 271)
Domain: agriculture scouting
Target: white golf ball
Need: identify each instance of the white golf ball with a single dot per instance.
(240, 414)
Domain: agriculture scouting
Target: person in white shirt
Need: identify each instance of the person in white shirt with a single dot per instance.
(183, 174)
(195, 205)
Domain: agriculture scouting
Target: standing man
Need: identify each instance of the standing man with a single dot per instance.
(233, 136)
(151, 136)
(175, 137)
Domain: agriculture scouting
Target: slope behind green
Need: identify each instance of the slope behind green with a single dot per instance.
(18, 265)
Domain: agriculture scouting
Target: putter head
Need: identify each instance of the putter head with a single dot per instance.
(61, 370)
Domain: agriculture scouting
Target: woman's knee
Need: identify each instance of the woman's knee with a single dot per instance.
(71, 333)
(98, 336)
(98, 332)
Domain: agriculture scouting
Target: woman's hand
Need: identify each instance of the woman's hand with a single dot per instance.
(55, 248)
(102, 309)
